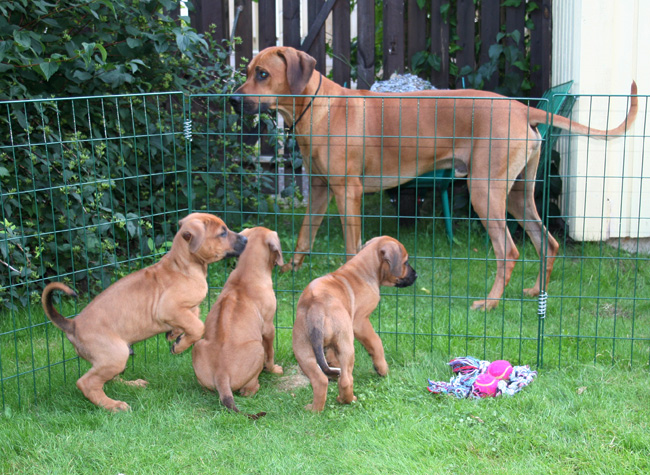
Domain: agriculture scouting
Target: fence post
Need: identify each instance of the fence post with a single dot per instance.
(207, 12)
(187, 133)
(465, 15)
(515, 21)
(417, 30)
(317, 48)
(341, 42)
(244, 30)
(291, 23)
(366, 44)
(490, 19)
(540, 49)
(440, 45)
(393, 46)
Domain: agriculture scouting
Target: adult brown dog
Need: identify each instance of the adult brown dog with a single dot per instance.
(334, 310)
(164, 297)
(360, 141)
(239, 331)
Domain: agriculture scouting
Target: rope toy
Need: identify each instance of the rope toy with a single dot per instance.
(494, 379)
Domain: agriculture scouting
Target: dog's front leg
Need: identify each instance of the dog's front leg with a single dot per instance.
(364, 332)
(348, 192)
(269, 351)
(191, 327)
(319, 197)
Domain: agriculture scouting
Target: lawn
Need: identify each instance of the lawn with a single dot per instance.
(587, 411)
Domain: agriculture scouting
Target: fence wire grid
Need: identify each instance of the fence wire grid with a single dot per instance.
(92, 188)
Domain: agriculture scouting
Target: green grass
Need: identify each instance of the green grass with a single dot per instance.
(586, 412)
(580, 419)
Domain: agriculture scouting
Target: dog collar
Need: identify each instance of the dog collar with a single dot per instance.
(293, 126)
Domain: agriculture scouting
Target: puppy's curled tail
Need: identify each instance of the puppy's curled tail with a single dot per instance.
(46, 300)
(315, 331)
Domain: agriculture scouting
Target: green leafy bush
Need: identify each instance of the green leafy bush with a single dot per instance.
(90, 182)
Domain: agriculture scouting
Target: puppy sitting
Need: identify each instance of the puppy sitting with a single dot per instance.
(239, 331)
(164, 297)
(334, 310)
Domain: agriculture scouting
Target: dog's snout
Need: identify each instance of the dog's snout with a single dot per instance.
(235, 102)
(411, 275)
(240, 244)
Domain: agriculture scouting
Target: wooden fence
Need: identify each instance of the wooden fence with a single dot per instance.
(459, 33)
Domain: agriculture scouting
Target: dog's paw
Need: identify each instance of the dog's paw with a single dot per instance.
(485, 304)
(341, 400)
(276, 369)
(117, 406)
(381, 370)
(534, 292)
(286, 268)
(173, 335)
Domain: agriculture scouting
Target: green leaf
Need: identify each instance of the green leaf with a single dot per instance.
(23, 38)
(82, 75)
(102, 51)
(48, 68)
(133, 42)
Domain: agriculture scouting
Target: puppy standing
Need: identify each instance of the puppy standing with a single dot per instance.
(334, 310)
(239, 329)
(164, 297)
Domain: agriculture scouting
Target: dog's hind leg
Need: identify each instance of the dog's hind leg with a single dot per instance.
(521, 204)
(106, 366)
(489, 184)
(345, 354)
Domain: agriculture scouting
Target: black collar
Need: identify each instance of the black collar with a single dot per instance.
(293, 126)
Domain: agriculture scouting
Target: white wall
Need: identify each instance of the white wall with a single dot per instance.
(602, 45)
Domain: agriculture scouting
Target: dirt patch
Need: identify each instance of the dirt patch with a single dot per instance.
(292, 379)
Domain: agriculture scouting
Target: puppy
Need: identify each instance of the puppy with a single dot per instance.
(164, 297)
(334, 310)
(239, 331)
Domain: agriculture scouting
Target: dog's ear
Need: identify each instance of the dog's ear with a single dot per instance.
(193, 231)
(300, 67)
(392, 254)
(273, 242)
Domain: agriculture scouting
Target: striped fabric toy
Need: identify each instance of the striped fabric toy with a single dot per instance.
(468, 368)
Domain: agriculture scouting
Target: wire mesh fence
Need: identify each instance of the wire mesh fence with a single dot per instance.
(92, 189)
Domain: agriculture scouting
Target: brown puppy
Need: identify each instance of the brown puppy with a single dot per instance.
(239, 331)
(360, 141)
(334, 310)
(164, 297)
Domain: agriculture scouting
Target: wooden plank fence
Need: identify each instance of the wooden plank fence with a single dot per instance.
(459, 33)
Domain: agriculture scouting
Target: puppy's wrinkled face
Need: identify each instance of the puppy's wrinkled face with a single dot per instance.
(209, 238)
(395, 268)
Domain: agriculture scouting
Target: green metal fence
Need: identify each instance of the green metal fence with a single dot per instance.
(92, 188)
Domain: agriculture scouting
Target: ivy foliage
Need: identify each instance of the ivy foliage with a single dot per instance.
(102, 179)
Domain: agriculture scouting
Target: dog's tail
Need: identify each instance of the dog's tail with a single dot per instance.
(538, 116)
(227, 399)
(57, 319)
(315, 330)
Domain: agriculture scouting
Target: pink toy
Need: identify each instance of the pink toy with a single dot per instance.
(500, 369)
(486, 385)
